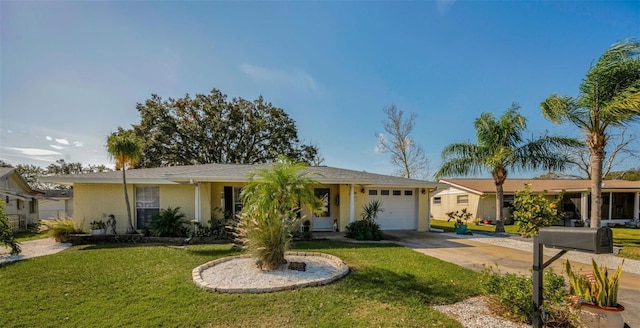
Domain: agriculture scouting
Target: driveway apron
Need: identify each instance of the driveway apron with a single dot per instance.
(475, 255)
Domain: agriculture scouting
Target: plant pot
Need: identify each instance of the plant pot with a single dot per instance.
(461, 229)
(601, 317)
(98, 232)
(487, 221)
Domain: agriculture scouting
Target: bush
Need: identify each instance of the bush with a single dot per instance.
(511, 296)
(61, 227)
(531, 212)
(168, 223)
(367, 228)
(6, 235)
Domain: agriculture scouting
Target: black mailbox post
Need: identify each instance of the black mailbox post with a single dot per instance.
(590, 240)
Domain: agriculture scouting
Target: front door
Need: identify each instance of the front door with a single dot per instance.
(323, 222)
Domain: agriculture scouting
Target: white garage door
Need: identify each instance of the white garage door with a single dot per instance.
(400, 208)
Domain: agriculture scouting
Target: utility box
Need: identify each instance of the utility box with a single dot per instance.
(592, 240)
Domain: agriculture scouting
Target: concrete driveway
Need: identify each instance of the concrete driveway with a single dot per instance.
(473, 254)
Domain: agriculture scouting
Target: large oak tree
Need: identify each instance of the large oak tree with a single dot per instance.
(209, 128)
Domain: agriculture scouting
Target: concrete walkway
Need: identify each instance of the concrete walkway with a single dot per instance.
(473, 254)
(33, 248)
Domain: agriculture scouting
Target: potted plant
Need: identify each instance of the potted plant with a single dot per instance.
(461, 217)
(597, 295)
(306, 226)
(98, 227)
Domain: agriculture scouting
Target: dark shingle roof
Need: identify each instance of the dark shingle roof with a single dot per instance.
(232, 173)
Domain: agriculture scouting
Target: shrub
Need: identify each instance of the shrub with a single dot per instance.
(367, 228)
(6, 235)
(531, 212)
(598, 288)
(61, 227)
(168, 223)
(272, 201)
(511, 296)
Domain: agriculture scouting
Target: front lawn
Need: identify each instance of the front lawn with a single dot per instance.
(448, 226)
(144, 286)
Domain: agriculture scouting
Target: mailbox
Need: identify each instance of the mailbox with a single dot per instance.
(592, 240)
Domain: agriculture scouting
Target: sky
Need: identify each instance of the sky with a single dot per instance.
(71, 72)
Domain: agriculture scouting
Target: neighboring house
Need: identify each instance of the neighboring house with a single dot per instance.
(204, 191)
(620, 198)
(56, 204)
(21, 202)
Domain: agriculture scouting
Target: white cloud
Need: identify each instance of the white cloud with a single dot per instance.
(444, 6)
(62, 141)
(48, 138)
(295, 77)
(56, 147)
(35, 151)
(78, 144)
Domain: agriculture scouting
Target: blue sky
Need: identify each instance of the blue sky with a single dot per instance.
(73, 71)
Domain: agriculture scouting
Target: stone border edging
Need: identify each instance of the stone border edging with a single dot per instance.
(343, 270)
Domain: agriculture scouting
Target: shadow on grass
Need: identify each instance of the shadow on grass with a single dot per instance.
(389, 286)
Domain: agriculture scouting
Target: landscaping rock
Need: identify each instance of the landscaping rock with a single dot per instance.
(299, 266)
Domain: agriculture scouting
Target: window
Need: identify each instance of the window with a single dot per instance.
(397, 192)
(237, 201)
(147, 205)
(437, 200)
(324, 194)
(384, 192)
(32, 206)
(408, 192)
(507, 200)
(463, 199)
(20, 203)
(373, 192)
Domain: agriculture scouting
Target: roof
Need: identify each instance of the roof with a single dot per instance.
(232, 173)
(25, 189)
(487, 186)
(58, 193)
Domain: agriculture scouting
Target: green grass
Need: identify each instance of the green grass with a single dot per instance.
(627, 238)
(448, 226)
(144, 286)
(23, 236)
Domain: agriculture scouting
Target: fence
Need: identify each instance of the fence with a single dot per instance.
(17, 222)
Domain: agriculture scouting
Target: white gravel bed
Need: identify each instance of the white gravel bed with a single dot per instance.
(608, 260)
(243, 273)
(474, 313)
(33, 248)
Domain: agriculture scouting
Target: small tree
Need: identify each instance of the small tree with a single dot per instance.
(6, 235)
(271, 202)
(126, 150)
(531, 212)
(406, 155)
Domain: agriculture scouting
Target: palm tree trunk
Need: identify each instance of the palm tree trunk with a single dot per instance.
(130, 229)
(596, 189)
(499, 211)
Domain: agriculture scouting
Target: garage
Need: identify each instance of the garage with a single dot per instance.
(400, 208)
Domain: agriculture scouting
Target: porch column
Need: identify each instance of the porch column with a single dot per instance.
(352, 204)
(198, 209)
(610, 203)
(636, 206)
(584, 206)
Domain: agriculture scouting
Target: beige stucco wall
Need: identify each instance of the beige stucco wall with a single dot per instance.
(423, 210)
(96, 201)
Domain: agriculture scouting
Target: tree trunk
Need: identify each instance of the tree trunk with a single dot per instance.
(499, 176)
(596, 186)
(130, 229)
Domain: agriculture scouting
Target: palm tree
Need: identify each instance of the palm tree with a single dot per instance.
(272, 200)
(126, 150)
(609, 97)
(501, 148)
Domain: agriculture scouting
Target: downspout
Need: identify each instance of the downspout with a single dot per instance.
(352, 204)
